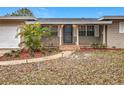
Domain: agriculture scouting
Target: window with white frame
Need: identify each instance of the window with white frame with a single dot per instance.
(121, 27)
(90, 30)
(82, 30)
(54, 29)
(86, 30)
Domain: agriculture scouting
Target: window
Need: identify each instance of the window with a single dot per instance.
(86, 30)
(121, 27)
(90, 30)
(81, 33)
(54, 33)
(82, 30)
(54, 30)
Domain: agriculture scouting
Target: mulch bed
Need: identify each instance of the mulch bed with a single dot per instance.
(102, 49)
(22, 55)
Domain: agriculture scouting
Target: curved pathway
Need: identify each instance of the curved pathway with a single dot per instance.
(15, 62)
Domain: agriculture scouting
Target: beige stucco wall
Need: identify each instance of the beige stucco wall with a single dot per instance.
(83, 41)
(114, 38)
(88, 40)
(53, 41)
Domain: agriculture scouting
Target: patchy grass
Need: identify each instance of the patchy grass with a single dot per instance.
(96, 67)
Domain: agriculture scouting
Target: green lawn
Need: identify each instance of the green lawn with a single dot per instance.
(96, 67)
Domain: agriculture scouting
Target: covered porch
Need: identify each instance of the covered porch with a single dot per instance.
(81, 35)
(75, 33)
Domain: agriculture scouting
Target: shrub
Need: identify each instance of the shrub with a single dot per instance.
(114, 47)
(32, 35)
(15, 53)
(102, 46)
(8, 54)
(95, 45)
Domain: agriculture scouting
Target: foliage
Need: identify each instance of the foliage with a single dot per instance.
(8, 54)
(13, 53)
(21, 12)
(95, 45)
(31, 35)
(102, 46)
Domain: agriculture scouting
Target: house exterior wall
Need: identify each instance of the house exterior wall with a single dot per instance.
(8, 32)
(114, 38)
(84, 40)
(88, 40)
(53, 41)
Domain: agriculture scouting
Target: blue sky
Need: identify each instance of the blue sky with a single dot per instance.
(68, 12)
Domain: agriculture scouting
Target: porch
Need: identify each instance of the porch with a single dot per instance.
(70, 36)
(74, 33)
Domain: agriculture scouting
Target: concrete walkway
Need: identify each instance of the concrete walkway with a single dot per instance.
(15, 62)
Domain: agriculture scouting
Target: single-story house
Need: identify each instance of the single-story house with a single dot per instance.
(76, 32)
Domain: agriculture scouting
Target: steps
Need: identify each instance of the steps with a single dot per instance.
(69, 47)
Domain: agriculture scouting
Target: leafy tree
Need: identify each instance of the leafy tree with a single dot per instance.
(21, 12)
(32, 35)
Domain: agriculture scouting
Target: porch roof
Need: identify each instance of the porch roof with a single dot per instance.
(69, 21)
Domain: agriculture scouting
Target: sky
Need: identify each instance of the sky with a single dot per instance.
(68, 12)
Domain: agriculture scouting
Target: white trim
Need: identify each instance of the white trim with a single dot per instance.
(86, 30)
(17, 18)
(111, 17)
(121, 27)
(84, 22)
(104, 35)
(96, 28)
(60, 38)
(77, 35)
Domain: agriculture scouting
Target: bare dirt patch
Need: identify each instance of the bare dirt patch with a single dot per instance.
(98, 67)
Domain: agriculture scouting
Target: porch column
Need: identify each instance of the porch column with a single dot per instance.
(104, 37)
(77, 43)
(76, 34)
(60, 37)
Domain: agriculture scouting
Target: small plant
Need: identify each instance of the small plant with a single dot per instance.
(8, 54)
(95, 45)
(102, 46)
(13, 53)
(114, 47)
(16, 53)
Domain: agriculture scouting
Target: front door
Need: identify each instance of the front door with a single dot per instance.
(67, 34)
